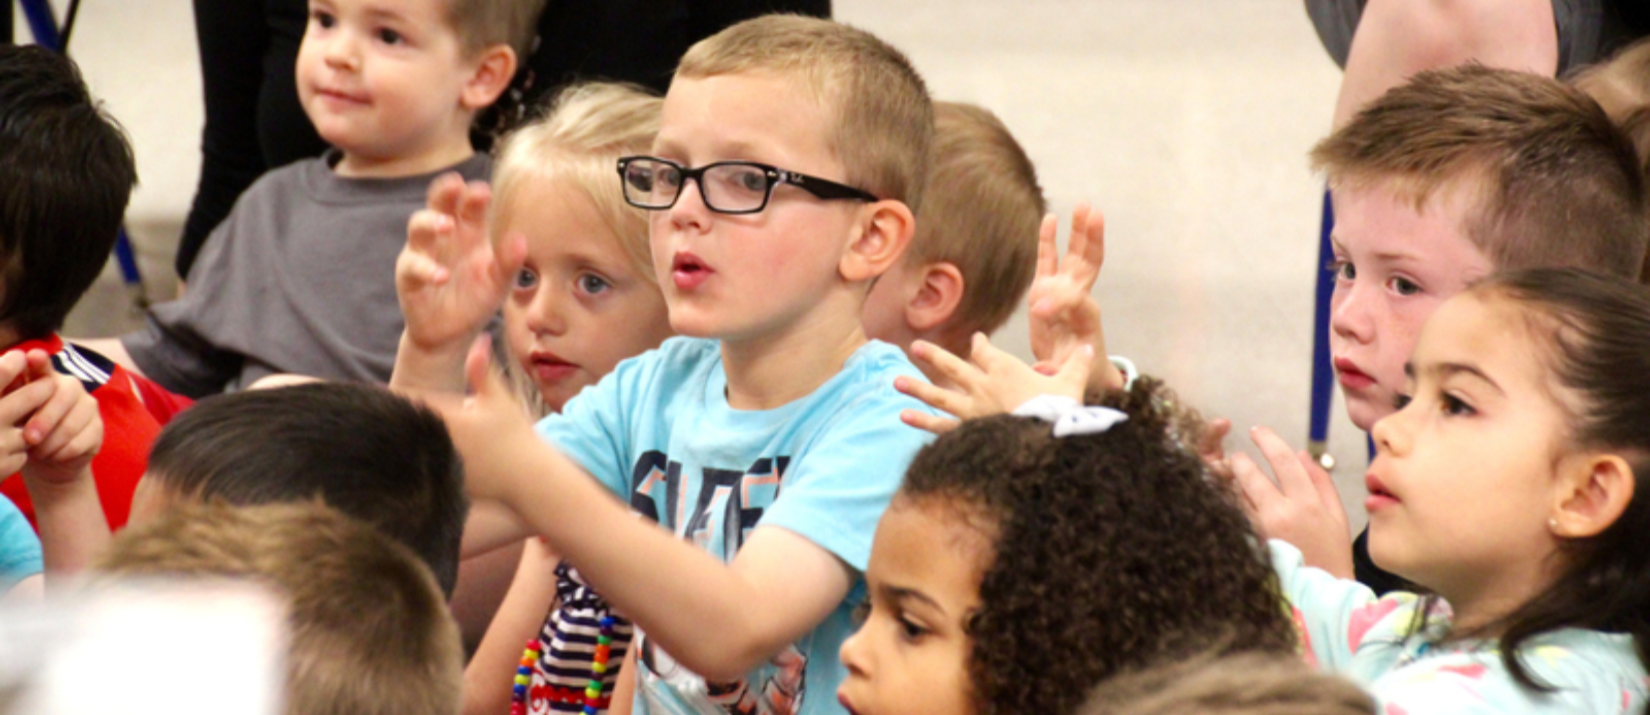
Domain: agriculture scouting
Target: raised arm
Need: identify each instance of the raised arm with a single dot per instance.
(450, 281)
(717, 619)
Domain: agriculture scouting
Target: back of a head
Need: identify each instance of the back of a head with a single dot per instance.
(880, 120)
(982, 209)
(1114, 551)
(1559, 183)
(578, 142)
(66, 174)
(369, 631)
(1621, 85)
(1242, 684)
(360, 448)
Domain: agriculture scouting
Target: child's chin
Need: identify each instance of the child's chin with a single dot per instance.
(1365, 410)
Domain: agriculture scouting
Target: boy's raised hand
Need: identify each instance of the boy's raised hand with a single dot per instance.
(65, 433)
(449, 277)
(1302, 507)
(1064, 314)
(990, 382)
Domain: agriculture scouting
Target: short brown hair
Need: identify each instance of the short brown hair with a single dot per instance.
(483, 23)
(369, 631)
(882, 118)
(1621, 85)
(1241, 684)
(982, 213)
(1560, 183)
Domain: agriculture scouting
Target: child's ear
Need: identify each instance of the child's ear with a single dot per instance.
(1592, 497)
(494, 69)
(884, 231)
(939, 292)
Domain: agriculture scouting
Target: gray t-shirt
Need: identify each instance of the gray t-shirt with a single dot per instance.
(300, 278)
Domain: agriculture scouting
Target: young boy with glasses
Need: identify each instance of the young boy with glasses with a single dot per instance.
(781, 185)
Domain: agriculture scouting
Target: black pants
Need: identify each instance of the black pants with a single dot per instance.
(254, 122)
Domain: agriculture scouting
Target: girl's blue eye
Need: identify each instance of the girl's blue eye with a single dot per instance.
(593, 284)
(526, 279)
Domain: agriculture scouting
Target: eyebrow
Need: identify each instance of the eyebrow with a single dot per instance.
(897, 593)
(1447, 369)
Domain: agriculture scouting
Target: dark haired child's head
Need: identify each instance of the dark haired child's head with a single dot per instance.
(845, 123)
(1454, 175)
(396, 84)
(974, 253)
(1241, 684)
(1015, 570)
(361, 449)
(1535, 387)
(368, 630)
(66, 173)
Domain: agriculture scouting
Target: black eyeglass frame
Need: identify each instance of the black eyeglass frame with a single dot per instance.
(821, 188)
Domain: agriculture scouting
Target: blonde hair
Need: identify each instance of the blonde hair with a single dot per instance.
(370, 632)
(1558, 182)
(982, 213)
(579, 142)
(483, 23)
(1243, 684)
(881, 119)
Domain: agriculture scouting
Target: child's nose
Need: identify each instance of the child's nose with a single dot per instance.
(690, 208)
(1349, 315)
(1390, 435)
(852, 653)
(547, 315)
(342, 51)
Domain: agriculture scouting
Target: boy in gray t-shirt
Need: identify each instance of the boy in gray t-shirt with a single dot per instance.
(300, 277)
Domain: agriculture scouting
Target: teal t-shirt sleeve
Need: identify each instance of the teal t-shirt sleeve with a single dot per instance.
(20, 555)
(592, 429)
(852, 469)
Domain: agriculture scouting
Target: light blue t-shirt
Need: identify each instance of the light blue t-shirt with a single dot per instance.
(20, 555)
(658, 431)
(1348, 630)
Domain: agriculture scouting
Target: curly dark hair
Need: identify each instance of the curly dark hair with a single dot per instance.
(1112, 552)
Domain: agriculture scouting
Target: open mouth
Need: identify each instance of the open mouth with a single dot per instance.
(688, 271)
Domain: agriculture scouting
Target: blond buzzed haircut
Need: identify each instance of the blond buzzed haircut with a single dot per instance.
(1558, 184)
(369, 631)
(881, 121)
(1243, 684)
(484, 23)
(577, 144)
(982, 213)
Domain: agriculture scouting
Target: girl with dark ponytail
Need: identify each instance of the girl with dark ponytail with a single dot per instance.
(1514, 486)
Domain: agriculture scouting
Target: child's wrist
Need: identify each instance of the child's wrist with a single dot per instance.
(51, 483)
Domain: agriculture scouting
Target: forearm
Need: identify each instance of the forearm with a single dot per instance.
(489, 527)
(707, 614)
(489, 676)
(73, 529)
(421, 368)
(1397, 38)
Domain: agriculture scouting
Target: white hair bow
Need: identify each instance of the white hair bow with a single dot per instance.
(1069, 416)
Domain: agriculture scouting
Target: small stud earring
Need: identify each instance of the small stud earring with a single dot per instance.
(1552, 524)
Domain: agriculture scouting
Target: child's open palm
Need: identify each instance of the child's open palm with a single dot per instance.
(989, 382)
(449, 277)
(1064, 314)
(1302, 507)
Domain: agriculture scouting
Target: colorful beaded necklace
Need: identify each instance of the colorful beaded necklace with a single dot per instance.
(598, 667)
